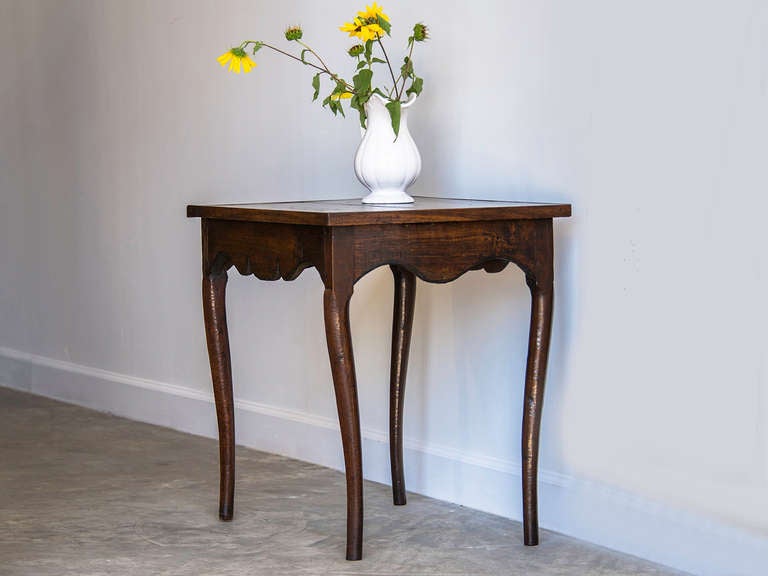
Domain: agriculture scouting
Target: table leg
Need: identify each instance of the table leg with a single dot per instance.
(402, 325)
(337, 331)
(538, 349)
(214, 312)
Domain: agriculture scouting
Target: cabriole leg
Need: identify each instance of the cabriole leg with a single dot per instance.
(402, 325)
(214, 312)
(538, 349)
(336, 307)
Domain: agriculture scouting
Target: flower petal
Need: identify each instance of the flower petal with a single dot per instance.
(224, 58)
(373, 11)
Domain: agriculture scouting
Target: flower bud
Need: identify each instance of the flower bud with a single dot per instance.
(420, 32)
(293, 33)
(356, 50)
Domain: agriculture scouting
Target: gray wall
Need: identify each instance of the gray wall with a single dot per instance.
(650, 117)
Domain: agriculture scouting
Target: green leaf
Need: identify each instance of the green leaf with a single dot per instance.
(257, 46)
(327, 101)
(407, 68)
(362, 64)
(379, 60)
(302, 54)
(362, 81)
(384, 24)
(368, 49)
(363, 118)
(394, 114)
(416, 87)
(316, 86)
(356, 104)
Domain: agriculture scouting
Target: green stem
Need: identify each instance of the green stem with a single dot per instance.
(410, 61)
(316, 55)
(378, 39)
(315, 66)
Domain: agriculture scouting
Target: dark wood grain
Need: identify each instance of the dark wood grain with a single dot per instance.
(354, 213)
(215, 316)
(268, 251)
(338, 291)
(436, 240)
(540, 280)
(441, 252)
(402, 326)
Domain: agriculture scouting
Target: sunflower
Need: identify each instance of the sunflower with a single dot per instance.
(360, 29)
(237, 58)
(372, 12)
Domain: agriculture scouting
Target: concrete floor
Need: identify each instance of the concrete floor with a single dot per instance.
(84, 493)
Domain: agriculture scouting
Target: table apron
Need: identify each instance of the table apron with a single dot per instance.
(435, 252)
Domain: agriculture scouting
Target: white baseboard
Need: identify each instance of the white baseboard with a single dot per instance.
(586, 510)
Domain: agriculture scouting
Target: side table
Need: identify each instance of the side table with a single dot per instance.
(436, 239)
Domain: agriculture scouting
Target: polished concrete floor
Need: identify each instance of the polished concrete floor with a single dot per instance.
(84, 493)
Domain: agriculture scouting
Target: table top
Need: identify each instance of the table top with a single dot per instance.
(354, 213)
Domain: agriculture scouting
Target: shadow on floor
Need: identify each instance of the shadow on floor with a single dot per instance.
(85, 493)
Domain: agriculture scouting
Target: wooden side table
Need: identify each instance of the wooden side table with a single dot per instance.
(435, 239)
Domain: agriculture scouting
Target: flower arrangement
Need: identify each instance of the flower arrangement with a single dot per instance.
(370, 26)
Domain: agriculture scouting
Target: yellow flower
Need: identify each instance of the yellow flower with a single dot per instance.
(352, 27)
(371, 32)
(372, 12)
(237, 58)
(341, 96)
(362, 30)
